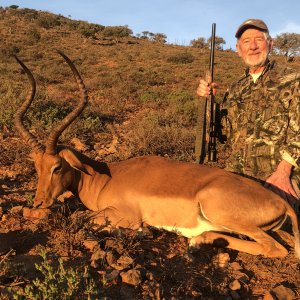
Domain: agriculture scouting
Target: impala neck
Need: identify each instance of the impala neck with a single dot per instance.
(88, 187)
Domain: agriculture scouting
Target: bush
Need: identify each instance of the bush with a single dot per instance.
(181, 58)
(44, 115)
(153, 97)
(89, 30)
(117, 32)
(48, 21)
(59, 283)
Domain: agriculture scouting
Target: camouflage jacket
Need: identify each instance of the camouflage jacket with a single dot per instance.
(263, 121)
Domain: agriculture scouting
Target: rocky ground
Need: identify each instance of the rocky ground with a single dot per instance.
(153, 264)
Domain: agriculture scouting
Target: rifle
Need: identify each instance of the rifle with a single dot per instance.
(204, 106)
(212, 144)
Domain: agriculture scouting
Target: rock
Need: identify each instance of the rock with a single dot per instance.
(235, 266)
(98, 254)
(115, 244)
(235, 285)
(121, 263)
(90, 244)
(36, 214)
(112, 276)
(16, 209)
(125, 261)
(131, 277)
(242, 277)
(280, 293)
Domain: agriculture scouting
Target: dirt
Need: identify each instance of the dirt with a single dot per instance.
(153, 264)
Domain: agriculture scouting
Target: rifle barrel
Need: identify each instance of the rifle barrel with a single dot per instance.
(212, 144)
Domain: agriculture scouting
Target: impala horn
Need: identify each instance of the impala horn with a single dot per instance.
(18, 120)
(56, 132)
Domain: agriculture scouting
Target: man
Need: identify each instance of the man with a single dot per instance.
(263, 115)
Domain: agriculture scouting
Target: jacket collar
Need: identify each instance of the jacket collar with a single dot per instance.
(269, 66)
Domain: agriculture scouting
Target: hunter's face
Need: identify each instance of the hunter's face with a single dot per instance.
(253, 47)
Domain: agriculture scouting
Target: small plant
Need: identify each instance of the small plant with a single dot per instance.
(58, 283)
(29, 199)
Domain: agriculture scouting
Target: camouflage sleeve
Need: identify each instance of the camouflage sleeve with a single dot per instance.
(291, 149)
(224, 120)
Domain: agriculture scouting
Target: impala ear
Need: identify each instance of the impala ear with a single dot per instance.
(71, 158)
(35, 156)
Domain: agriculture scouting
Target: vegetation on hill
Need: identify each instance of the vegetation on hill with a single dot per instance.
(124, 74)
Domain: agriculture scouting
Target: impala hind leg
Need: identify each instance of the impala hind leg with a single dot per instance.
(263, 244)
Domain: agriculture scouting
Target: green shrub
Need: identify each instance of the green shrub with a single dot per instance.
(44, 115)
(153, 97)
(86, 124)
(116, 32)
(48, 21)
(90, 30)
(181, 58)
(59, 283)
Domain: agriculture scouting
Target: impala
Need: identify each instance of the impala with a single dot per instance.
(204, 204)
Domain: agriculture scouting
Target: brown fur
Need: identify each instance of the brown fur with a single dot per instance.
(171, 195)
(198, 201)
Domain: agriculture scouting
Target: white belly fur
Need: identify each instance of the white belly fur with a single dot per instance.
(202, 226)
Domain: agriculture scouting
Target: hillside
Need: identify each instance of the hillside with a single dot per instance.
(141, 101)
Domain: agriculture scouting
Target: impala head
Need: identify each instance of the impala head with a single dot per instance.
(56, 165)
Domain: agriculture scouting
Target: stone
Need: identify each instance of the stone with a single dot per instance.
(90, 244)
(280, 293)
(36, 214)
(16, 209)
(131, 277)
(235, 285)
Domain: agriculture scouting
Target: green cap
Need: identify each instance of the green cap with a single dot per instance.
(252, 23)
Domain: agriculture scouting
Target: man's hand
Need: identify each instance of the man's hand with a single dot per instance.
(280, 181)
(204, 89)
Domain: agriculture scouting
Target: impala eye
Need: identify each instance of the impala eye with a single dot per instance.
(57, 169)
